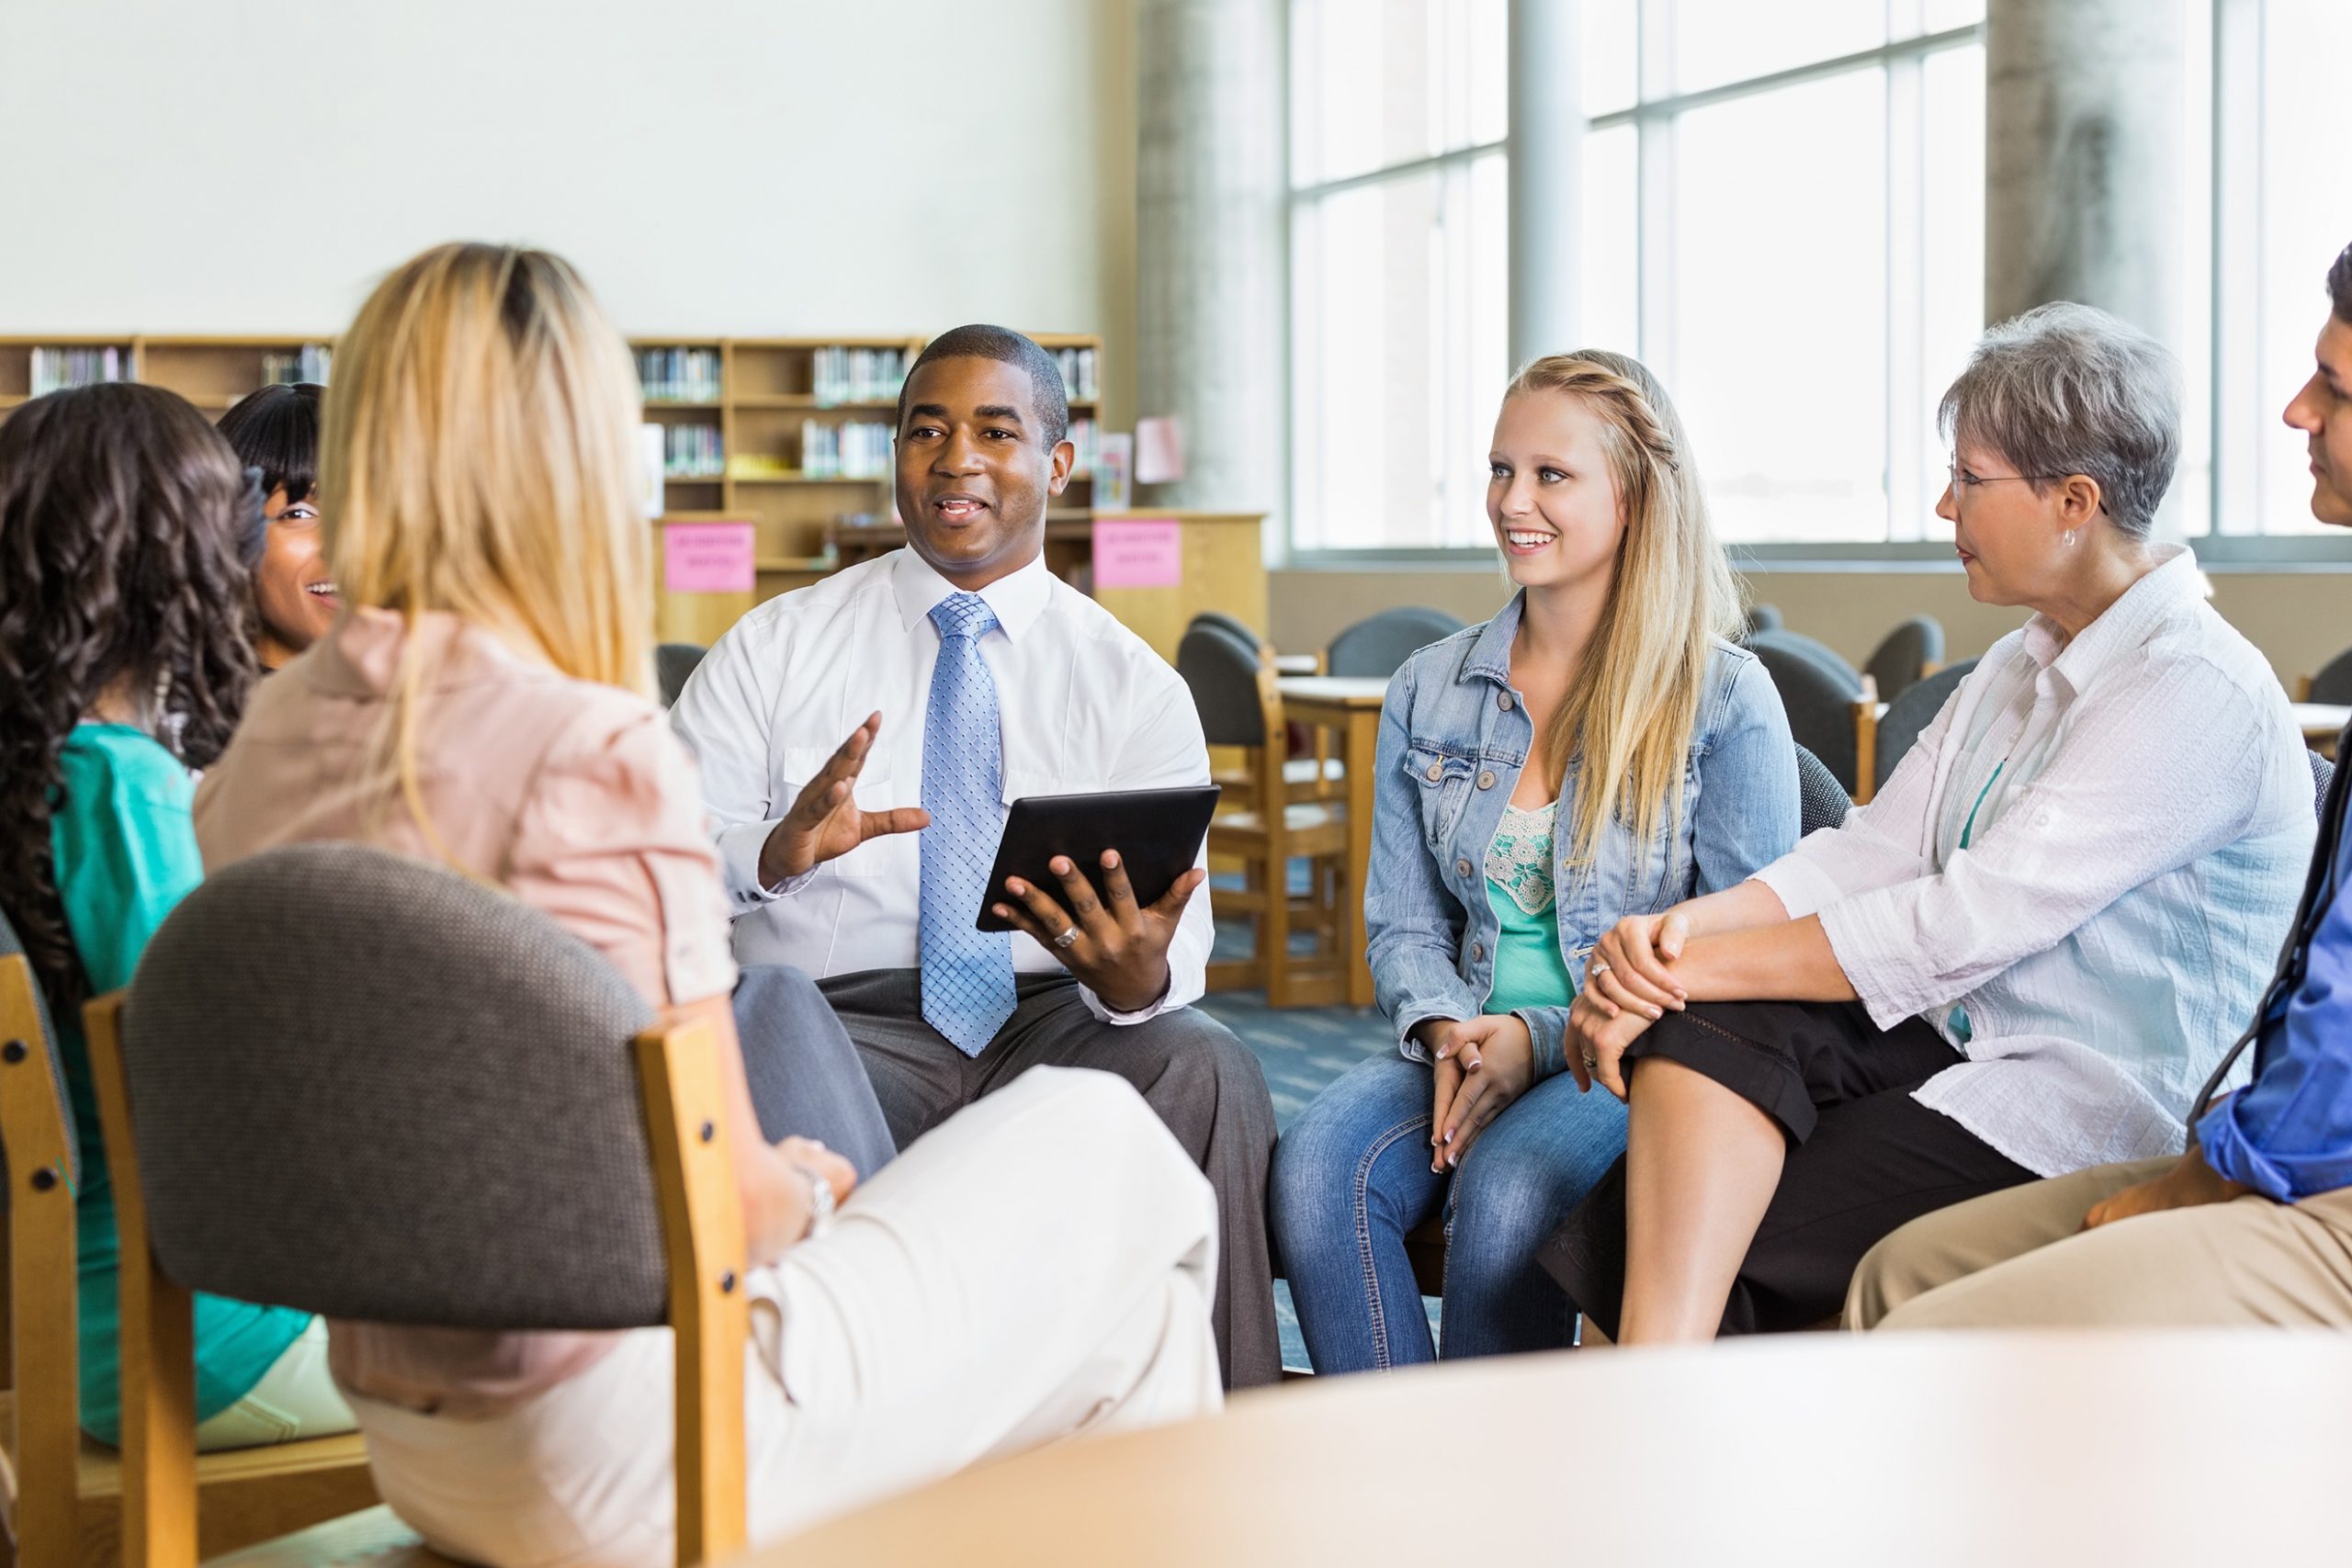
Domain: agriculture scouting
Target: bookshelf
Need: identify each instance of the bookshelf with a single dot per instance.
(788, 434)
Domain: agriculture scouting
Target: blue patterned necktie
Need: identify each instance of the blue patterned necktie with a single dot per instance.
(966, 973)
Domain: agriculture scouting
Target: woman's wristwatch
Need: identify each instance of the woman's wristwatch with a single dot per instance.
(820, 1204)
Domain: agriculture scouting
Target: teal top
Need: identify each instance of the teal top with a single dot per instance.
(1530, 969)
(125, 852)
(1961, 1028)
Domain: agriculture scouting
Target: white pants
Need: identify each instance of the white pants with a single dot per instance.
(1040, 1265)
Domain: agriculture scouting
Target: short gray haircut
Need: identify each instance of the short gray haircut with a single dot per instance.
(2065, 388)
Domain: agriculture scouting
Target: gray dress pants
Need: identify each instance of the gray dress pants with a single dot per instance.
(1203, 1083)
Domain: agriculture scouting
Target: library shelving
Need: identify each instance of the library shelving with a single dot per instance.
(788, 434)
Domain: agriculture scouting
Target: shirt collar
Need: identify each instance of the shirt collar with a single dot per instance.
(2125, 625)
(1490, 655)
(1018, 598)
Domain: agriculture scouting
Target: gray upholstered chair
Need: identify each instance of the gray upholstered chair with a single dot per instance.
(1764, 618)
(1831, 711)
(1232, 624)
(1241, 704)
(458, 1116)
(2332, 684)
(1913, 649)
(1822, 801)
(2322, 774)
(1900, 726)
(673, 662)
(61, 1494)
(1375, 648)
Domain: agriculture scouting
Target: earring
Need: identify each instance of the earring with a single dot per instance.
(2067, 538)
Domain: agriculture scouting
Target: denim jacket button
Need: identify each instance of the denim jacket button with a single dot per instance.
(1479, 952)
(1502, 701)
(1437, 772)
(1487, 780)
(1462, 867)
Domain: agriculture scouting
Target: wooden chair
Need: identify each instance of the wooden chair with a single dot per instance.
(400, 1185)
(1310, 772)
(61, 1493)
(1241, 704)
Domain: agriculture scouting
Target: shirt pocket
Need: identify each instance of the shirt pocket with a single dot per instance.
(1444, 779)
(889, 854)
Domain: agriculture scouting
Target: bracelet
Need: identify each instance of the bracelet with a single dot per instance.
(820, 1202)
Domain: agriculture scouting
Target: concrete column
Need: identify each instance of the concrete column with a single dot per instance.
(1546, 177)
(1210, 246)
(2083, 168)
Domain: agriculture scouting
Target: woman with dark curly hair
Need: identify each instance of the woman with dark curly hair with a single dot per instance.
(124, 662)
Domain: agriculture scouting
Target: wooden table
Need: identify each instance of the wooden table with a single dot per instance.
(2164, 1447)
(2321, 722)
(1350, 706)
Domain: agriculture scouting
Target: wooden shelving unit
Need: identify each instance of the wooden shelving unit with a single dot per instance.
(804, 525)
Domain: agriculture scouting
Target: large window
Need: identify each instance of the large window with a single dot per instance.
(2282, 210)
(1398, 258)
(1782, 217)
(1783, 214)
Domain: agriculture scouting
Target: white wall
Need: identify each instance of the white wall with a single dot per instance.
(714, 166)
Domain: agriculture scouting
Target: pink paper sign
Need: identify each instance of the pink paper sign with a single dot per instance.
(1138, 552)
(706, 558)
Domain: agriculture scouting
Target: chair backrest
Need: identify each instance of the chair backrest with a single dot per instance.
(43, 1172)
(2322, 774)
(1822, 801)
(1228, 681)
(672, 663)
(1903, 656)
(1232, 624)
(1764, 618)
(1912, 712)
(439, 1125)
(1819, 691)
(1377, 647)
(2333, 681)
(365, 1085)
(23, 1022)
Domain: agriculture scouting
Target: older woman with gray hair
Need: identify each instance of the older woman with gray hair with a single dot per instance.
(2025, 955)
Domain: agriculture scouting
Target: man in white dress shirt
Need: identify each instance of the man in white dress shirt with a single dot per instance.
(964, 675)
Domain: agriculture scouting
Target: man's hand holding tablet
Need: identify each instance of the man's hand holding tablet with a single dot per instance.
(1119, 950)
(1091, 915)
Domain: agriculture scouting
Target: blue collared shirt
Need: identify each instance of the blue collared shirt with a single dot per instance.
(2289, 1133)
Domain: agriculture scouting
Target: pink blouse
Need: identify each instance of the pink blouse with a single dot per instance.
(576, 798)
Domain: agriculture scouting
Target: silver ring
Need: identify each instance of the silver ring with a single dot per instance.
(1599, 966)
(1590, 1061)
(1067, 939)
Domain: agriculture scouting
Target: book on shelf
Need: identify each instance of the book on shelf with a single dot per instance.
(852, 449)
(1077, 374)
(857, 374)
(679, 375)
(55, 370)
(758, 466)
(692, 452)
(312, 362)
(1085, 436)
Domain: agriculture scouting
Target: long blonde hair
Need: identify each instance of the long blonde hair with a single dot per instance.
(479, 455)
(1632, 699)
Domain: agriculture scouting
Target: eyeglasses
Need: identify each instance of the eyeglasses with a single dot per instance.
(1962, 481)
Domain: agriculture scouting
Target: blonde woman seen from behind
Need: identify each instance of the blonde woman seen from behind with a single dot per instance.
(483, 702)
(1597, 749)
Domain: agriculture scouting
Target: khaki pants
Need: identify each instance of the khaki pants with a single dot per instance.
(2021, 1258)
(1040, 1265)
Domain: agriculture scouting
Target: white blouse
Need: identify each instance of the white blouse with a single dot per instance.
(2146, 819)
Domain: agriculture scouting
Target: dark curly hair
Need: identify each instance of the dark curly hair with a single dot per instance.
(119, 512)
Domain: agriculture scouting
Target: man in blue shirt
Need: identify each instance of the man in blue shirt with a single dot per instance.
(2253, 1223)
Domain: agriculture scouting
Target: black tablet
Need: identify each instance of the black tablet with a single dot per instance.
(1158, 833)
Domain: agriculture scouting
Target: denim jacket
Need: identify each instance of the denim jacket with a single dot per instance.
(1454, 735)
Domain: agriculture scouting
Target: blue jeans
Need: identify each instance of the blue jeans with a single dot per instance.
(1351, 1177)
